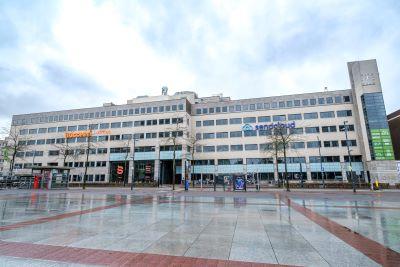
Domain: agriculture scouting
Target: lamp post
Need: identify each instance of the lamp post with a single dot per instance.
(133, 161)
(33, 161)
(320, 161)
(348, 153)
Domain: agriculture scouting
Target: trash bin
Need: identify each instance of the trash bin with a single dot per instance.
(187, 183)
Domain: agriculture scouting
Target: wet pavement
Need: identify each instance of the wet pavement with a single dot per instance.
(331, 228)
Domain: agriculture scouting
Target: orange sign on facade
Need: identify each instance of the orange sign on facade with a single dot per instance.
(78, 134)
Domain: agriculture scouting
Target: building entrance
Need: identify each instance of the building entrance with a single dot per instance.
(166, 172)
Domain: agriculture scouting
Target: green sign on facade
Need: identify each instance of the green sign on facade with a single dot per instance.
(382, 144)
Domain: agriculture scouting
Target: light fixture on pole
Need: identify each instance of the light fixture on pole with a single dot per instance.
(348, 153)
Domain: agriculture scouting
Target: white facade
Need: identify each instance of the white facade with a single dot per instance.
(223, 148)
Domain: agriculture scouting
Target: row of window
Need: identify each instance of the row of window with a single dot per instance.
(275, 118)
(268, 146)
(275, 105)
(102, 126)
(300, 130)
(80, 164)
(291, 160)
(99, 114)
(89, 178)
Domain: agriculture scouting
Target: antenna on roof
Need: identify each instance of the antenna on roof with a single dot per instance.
(325, 89)
(164, 90)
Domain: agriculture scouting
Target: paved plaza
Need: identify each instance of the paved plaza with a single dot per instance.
(157, 227)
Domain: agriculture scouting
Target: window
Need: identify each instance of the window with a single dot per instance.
(23, 131)
(313, 101)
(145, 149)
(230, 161)
(311, 116)
(104, 125)
(346, 99)
(293, 117)
(329, 129)
(344, 113)
(296, 145)
(218, 110)
(279, 117)
(252, 161)
(296, 130)
(101, 163)
(54, 152)
(139, 123)
(239, 108)
(327, 114)
(281, 104)
(236, 134)
(289, 104)
(222, 135)
(102, 151)
(235, 121)
(126, 124)
(331, 143)
(208, 123)
(93, 126)
(82, 127)
(249, 120)
(205, 111)
(274, 105)
(350, 142)
(321, 101)
(296, 103)
(116, 125)
(211, 110)
(354, 158)
(312, 129)
(338, 99)
(114, 150)
(313, 144)
(208, 149)
(222, 148)
(249, 147)
(329, 100)
(350, 127)
(198, 111)
(264, 119)
(33, 131)
(41, 141)
(54, 129)
(42, 130)
(50, 141)
(305, 102)
(221, 122)
(102, 138)
(208, 135)
(236, 147)
(316, 159)
(250, 133)
(252, 106)
(225, 109)
(126, 137)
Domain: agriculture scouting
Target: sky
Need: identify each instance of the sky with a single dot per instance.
(58, 55)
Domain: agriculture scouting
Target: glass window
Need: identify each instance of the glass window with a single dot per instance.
(274, 105)
(238, 107)
(208, 135)
(329, 129)
(293, 117)
(296, 103)
(198, 123)
(327, 114)
(116, 125)
(208, 123)
(321, 101)
(82, 127)
(42, 130)
(249, 120)
(338, 99)
(349, 142)
(281, 104)
(218, 110)
(211, 110)
(311, 116)
(313, 144)
(329, 100)
(305, 102)
(208, 149)
(344, 113)
(126, 124)
(296, 145)
(312, 129)
(279, 117)
(236, 147)
(264, 119)
(62, 129)
(252, 106)
(222, 122)
(32, 131)
(350, 127)
(235, 121)
(222, 148)
(236, 134)
(225, 109)
(104, 125)
(222, 135)
(250, 147)
(346, 99)
(296, 130)
(250, 133)
(313, 101)
(54, 129)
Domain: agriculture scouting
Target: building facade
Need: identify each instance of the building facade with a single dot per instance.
(394, 126)
(2, 160)
(219, 136)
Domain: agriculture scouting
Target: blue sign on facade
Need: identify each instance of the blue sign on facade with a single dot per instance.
(239, 183)
(248, 127)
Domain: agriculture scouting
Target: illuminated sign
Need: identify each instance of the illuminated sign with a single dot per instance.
(78, 134)
(85, 133)
(248, 127)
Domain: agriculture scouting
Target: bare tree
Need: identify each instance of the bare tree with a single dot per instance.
(175, 138)
(15, 143)
(65, 151)
(192, 140)
(278, 142)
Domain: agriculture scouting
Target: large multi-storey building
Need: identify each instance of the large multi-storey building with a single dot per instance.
(2, 147)
(221, 136)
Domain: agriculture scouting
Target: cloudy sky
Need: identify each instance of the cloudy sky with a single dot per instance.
(70, 54)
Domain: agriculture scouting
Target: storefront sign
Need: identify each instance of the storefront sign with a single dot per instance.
(78, 134)
(248, 127)
(239, 183)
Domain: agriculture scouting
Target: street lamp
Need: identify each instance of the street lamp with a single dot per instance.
(133, 161)
(320, 161)
(348, 153)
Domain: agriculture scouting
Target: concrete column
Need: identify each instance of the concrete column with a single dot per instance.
(157, 165)
(308, 169)
(130, 171)
(276, 176)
